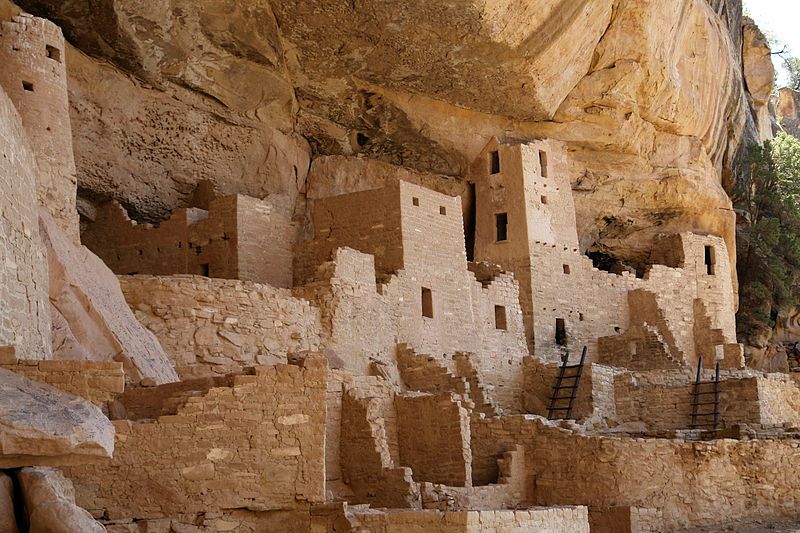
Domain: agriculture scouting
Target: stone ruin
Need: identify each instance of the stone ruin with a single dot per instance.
(384, 362)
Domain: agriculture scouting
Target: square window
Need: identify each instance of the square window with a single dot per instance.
(544, 200)
(501, 224)
(442, 210)
(566, 269)
(415, 201)
(500, 320)
(53, 53)
(205, 269)
(28, 86)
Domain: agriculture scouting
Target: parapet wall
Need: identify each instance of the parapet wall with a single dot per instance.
(25, 310)
(258, 444)
(35, 78)
(215, 326)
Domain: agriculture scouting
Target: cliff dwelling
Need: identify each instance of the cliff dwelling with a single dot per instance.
(261, 277)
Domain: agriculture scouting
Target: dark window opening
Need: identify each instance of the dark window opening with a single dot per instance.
(469, 223)
(204, 269)
(180, 245)
(543, 162)
(494, 162)
(710, 260)
(132, 273)
(580, 317)
(501, 223)
(28, 86)
(566, 269)
(500, 321)
(53, 53)
(544, 199)
(561, 332)
(198, 250)
(415, 200)
(427, 303)
(442, 210)
(141, 252)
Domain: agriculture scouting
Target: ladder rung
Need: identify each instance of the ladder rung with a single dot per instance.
(569, 377)
(704, 403)
(565, 387)
(567, 367)
(560, 408)
(698, 393)
(557, 398)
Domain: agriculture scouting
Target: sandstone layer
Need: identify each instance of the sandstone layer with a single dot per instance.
(91, 315)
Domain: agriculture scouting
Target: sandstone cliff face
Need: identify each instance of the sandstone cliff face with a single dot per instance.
(649, 97)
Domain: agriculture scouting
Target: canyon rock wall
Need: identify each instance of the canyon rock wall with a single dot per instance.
(649, 97)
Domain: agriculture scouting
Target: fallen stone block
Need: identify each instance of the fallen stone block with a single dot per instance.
(40, 424)
(88, 302)
(49, 500)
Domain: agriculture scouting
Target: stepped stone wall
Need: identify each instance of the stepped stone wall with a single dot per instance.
(215, 326)
(258, 444)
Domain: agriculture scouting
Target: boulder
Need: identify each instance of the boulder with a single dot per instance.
(40, 424)
(90, 310)
(49, 500)
(8, 519)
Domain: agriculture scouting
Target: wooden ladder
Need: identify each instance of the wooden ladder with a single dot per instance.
(705, 419)
(566, 388)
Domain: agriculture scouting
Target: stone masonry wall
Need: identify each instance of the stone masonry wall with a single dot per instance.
(34, 77)
(434, 439)
(259, 444)
(25, 309)
(693, 483)
(96, 381)
(238, 237)
(215, 326)
(433, 303)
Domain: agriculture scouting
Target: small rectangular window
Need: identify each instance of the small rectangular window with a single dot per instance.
(566, 269)
(53, 53)
(427, 303)
(543, 162)
(415, 200)
(501, 223)
(710, 257)
(28, 86)
(494, 162)
(500, 321)
(442, 210)
(561, 332)
(205, 270)
(544, 200)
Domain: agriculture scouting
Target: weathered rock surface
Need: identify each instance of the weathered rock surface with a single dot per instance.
(49, 500)
(649, 95)
(40, 424)
(87, 296)
(759, 76)
(8, 519)
(149, 147)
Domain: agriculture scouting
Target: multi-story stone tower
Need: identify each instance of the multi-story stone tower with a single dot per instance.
(35, 79)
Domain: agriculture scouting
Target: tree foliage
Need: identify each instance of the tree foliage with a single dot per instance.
(769, 240)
